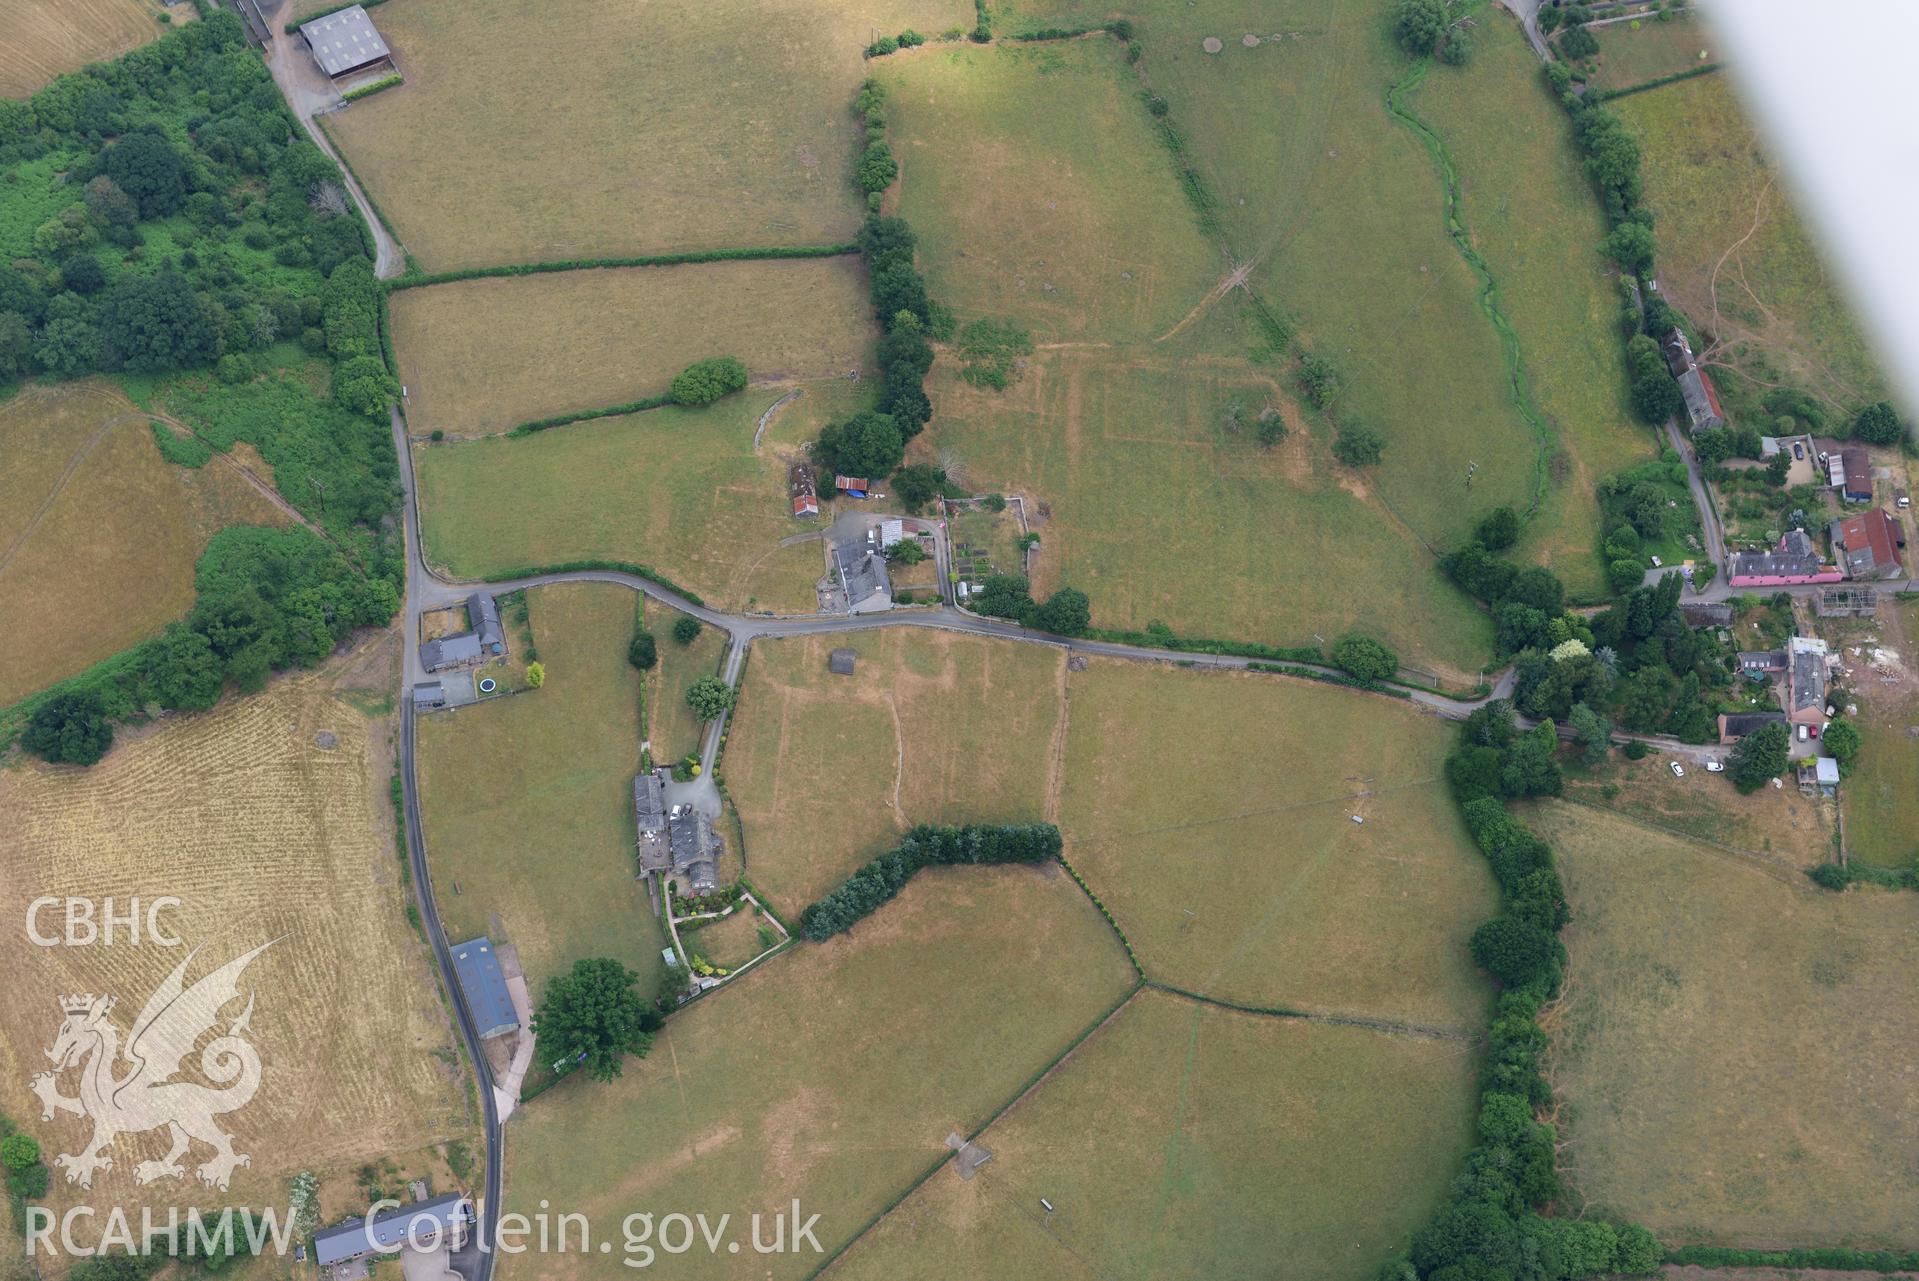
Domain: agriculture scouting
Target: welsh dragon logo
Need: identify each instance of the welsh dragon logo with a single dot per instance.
(133, 1091)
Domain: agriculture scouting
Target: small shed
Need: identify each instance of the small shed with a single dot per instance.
(484, 988)
(346, 43)
(840, 661)
(428, 695)
(1826, 774)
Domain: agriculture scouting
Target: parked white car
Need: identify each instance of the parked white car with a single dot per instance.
(1715, 767)
(1677, 770)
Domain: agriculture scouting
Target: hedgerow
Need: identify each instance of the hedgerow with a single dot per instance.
(579, 416)
(925, 846)
(1160, 636)
(1703, 69)
(367, 91)
(419, 280)
(647, 572)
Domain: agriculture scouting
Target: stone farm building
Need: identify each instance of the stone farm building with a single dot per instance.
(484, 638)
(675, 841)
(346, 44)
(1806, 682)
(1702, 398)
(862, 575)
(1867, 545)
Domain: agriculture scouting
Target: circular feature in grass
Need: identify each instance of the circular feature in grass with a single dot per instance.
(1212, 44)
(488, 684)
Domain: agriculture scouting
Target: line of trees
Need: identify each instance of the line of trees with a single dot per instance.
(925, 846)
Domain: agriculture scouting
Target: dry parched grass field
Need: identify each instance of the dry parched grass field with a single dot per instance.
(832, 1074)
(577, 129)
(484, 355)
(267, 833)
(1039, 192)
(671, 725)
(1734, 256)
(1158, 511)
(1733, 1052)
(1187, 1141)
(98, 533)
(1212, 812)
(678, 489)
(932, 727)
(528, 800)
(41, 39)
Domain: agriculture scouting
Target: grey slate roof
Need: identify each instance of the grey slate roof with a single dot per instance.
(450, 651)
(344, 41)
(483, 616)
(1699, 407)
(429, 694)
(696, 850)
(649, 802)
(484, 987)
(1808, 680)
(862, 572)
(389, 1231)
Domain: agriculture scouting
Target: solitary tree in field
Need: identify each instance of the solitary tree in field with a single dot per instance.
(711, 697)
(705, 381)
(686, 629)
(1419, 24)
(593, 1015)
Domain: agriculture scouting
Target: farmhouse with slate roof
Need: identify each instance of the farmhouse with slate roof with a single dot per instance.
(1794, 560)
(676, 841)
(484, 639)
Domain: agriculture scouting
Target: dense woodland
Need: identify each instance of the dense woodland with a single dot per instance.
(166, 221)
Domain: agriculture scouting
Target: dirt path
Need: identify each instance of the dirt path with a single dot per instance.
(767, 417)
(53, 495)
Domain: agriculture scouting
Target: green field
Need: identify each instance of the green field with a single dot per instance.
(528, 800)
(932, 727)
(484, 355)
(1736, 259)
(1159, 511)
(1342, 211)
(1212, 812)
(827, 1074)
(1881, 803)
(1732, 1057)
(1658, 48)
(671, 726)
(1537, 223)
(681, 490)
(1038, 190)
(1185, 1141)
(579, 130)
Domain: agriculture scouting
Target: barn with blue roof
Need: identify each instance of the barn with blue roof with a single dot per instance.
(484, 988)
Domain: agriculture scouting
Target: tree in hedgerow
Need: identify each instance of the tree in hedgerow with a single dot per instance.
(705, 381)
(363, 385)
(877, 168)
(183, 671)
(918, 484)
(70, 729)
(1592, 731)
(1365, 659)
(686, 629)
(1631, 245)
(1419, 24)
(1358, 445)
(1878, 424)
(535, 675)
(711, 697)
(593, 1015)
(1319, 379)
(1759, 756)
(1065, 613)
(867, 445)
(1529, 768)
(1517, 952)
(643, 651)
(1842, 740)
(1498, 529)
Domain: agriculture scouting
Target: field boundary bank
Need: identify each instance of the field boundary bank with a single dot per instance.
(1607, 95)
(1545, 439)
(1032, 1083)
(691, 257)
(1390, 1027)
(1786, 870)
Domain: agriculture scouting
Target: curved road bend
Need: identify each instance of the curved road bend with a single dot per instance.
(426, 589)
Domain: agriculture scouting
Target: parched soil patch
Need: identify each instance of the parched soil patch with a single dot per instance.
(1732, 1054)
(1165, 1143)
(265, 837)
(98, 532)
